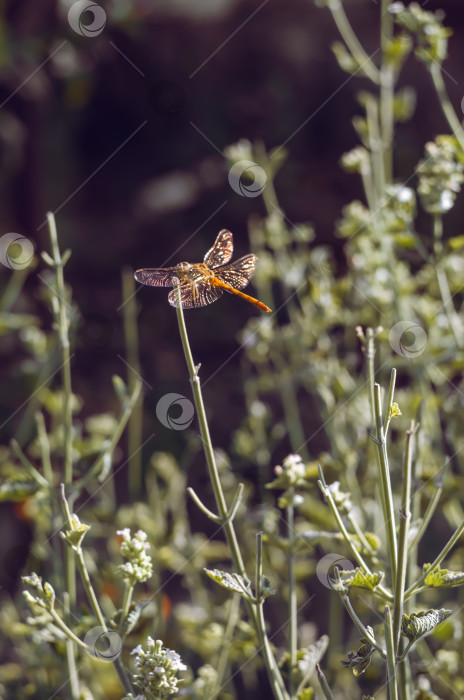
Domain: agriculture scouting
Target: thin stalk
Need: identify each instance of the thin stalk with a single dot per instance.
(79, 554)
(447, 548)
(361, 627)
(63, 327)
(445, 102)
(223, 659)
(387, 85)
(292, 602)
(390, 647)
(385, 484)
(341, 526)
(430, 510)
(44, 447)
(377, 179)
(405, 520)
(366, 65)
(369, 353)
(129, 589)
(256, 615)
(324, 685)
(134, 428)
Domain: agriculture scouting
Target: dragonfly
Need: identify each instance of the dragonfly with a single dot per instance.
(202, 283)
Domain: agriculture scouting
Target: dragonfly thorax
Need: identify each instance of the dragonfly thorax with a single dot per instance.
(186, 271)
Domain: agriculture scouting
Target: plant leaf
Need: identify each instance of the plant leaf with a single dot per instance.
(416, 625)
(443, 578)
(233, 582)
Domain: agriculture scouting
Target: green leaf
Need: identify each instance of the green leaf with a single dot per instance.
(357, 578)
(18, 490)
(417, 625)
(358, 661)
(119, 387)
(443, 578)
(404, 104)
(233, 582)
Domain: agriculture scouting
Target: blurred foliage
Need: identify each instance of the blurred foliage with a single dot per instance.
(306, 385)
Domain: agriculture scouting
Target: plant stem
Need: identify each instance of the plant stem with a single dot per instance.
(391, 666)
(385, 485)
(62, 322)
(365, 63)
(445, 103)
(405, 519)
(134, 428)
(255, 613)
(447, 548)
(292, 601)
(387, 83)
(78, 552)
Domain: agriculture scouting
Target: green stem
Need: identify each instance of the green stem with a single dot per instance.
(62, 322)
(447, 548)
(365, 63)
(79, 554)
(129, 589)
(256, 614)
(361, 627)
(445, 103)
(134, 428)
(405, 519)
(430, 510)
(391, 658)
(341, 526)
(324, 685)
(385, 484)
(292, 601)
(387, 84)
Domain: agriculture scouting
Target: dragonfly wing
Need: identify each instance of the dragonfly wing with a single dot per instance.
(238, 273)
(222, 250)
(156, 276)
(193, 295)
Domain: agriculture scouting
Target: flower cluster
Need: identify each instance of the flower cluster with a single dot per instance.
(440, 175)
(138, 568)
(426, 28)
(156, 670)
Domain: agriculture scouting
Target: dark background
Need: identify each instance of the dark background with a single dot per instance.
(106, 134)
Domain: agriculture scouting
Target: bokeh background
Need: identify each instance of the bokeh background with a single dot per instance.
(121, 135)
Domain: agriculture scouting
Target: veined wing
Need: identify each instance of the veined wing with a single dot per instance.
(193, 295)
(222, 250)
(156, 276)
(238, 273)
